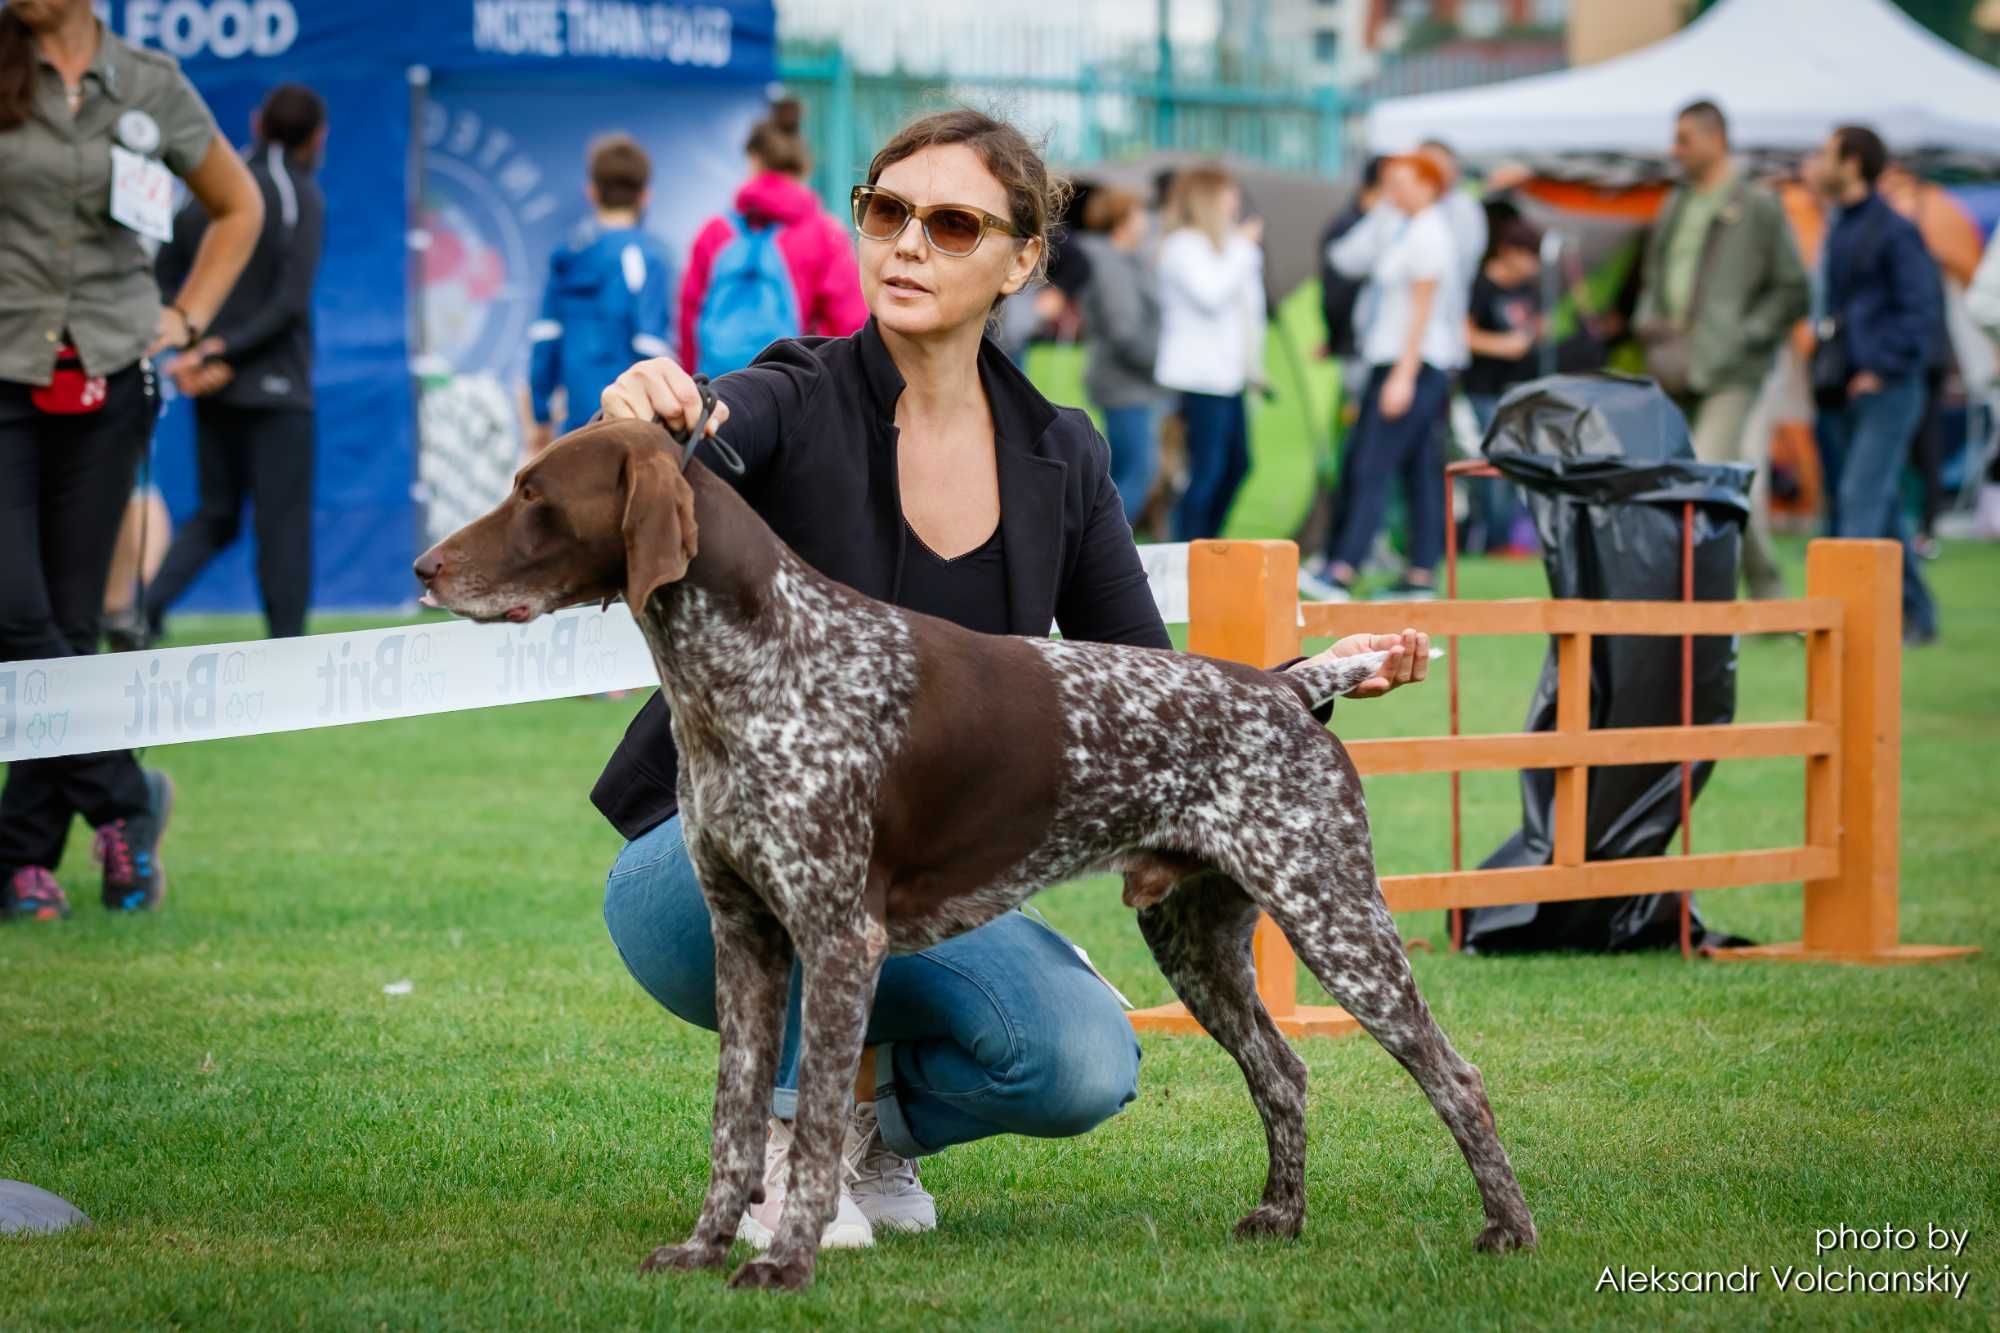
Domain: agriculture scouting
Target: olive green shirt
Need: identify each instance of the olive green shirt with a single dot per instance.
(65, 266)
(1684, 247)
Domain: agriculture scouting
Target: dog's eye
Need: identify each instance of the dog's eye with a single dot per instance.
(529, 495)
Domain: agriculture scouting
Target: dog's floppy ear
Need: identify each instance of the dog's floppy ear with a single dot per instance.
(660, 536)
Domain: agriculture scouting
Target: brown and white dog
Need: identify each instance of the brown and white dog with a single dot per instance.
(858, 780)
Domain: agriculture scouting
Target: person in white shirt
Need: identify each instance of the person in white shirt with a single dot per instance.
(1211, 274)
(1465, 215)
(1415, 338)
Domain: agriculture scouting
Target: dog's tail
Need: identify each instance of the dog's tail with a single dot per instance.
(1324, 681)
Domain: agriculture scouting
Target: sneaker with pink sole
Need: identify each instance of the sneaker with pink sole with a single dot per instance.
(129, 850)
(848, 1230)
(32, 894)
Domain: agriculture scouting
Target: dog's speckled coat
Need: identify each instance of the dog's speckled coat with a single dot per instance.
(857, 779)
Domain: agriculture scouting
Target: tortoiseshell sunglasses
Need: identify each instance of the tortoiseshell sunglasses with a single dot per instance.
(952, 229)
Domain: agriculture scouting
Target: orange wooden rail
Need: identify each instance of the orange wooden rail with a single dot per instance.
(1243, 605)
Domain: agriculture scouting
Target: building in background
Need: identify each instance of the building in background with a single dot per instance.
(1601, 29)
(1423, 46)
(1384, 47)
(1050, 39)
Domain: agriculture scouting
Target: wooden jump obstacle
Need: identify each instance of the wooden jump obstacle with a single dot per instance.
(1243, 605)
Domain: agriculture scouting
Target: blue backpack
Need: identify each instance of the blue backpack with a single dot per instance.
(750, 303)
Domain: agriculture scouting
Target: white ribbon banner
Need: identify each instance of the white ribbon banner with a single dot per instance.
(118, 701)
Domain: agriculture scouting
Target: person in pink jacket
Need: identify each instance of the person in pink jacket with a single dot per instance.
(815, 247)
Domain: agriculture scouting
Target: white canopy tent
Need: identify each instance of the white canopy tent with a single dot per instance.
(1785, 72)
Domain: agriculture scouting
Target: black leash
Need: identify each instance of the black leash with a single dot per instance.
(695, 438)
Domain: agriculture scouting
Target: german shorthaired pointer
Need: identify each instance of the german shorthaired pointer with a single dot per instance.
(857, 779)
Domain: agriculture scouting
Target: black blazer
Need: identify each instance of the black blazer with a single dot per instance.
(814, 419)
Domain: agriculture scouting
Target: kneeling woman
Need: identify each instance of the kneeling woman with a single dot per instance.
(915, 463)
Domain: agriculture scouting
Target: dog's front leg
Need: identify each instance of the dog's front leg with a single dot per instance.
(753, 963)
(841, 965)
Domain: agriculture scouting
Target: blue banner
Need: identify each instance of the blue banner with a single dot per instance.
(540, 77)
(503, 187)
(364, 518)
(729, 39)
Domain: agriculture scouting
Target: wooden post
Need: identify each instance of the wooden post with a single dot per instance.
(1243, 601)
(1243, 605)
(1571, 816)
(1852, 917)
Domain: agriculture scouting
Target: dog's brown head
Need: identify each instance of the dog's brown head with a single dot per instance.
(603, 511)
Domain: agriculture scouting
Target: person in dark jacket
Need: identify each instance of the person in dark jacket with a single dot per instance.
(609, 295)
(914, 462)
(1503, 329)
(1881, 305)
(1340, 295)
(251, 375)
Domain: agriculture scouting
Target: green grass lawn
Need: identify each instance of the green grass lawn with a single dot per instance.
(265, 1138)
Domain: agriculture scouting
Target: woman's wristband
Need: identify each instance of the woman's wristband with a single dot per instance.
(187, 322)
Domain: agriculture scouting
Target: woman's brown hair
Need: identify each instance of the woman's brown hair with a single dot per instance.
(17, 71)
(1036, 196)
(777, 142)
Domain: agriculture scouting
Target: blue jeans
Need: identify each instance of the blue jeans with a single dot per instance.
(1001, 1030)
(1218, 459)
(1132, 433)
(1869, 440)
(1495, 501)
(1379, 451)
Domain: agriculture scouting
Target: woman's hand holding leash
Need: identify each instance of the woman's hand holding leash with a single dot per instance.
(659, 390)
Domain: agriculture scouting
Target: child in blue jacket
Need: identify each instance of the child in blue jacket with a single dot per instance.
(608, 301)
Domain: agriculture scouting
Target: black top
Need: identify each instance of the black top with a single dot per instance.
(1338, 293)
(266, 322)
(814, 419)
(1498, 309)
(969, 589)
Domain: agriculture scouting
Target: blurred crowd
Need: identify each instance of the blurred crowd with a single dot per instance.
(1434, 293)
(1437, 295)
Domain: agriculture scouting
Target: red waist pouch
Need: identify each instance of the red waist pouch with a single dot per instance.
(70, 392)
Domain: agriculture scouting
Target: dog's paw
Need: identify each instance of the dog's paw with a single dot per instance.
(1502, 1236)
(768, 1274)
(684, 1257)
(1267, 1220)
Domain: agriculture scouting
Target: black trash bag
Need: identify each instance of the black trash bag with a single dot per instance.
(1606, 463)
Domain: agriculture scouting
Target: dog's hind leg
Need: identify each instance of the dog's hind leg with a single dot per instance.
(753, 964)
(1200, 936)
(1338, 924)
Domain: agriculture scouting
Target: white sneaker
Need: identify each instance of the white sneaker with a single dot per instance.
(849, 1229)
(1317, 585)
(885, 1183)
